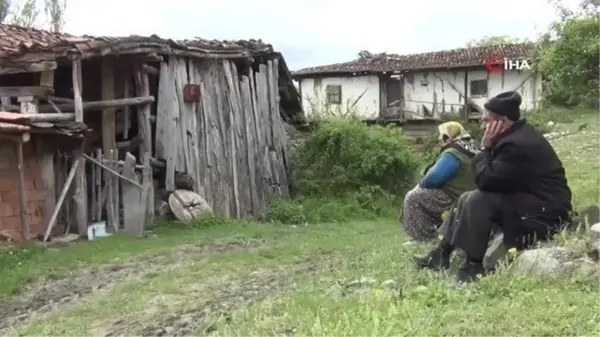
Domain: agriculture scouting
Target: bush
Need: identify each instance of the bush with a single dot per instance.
(312, 210)
(346, 156)
(346, 170)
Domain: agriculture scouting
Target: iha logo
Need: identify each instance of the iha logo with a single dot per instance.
(495, 64)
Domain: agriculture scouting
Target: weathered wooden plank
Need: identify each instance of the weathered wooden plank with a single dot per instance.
(262, 95)
(261, 192)
(61, 199)
(134, 214)
(162, 113)
(177, 66)
(109, 142)
(199, 130)
(251, 147)
(222, 127)
(234, 110)
(278, 132)
(145, 133)
(100, 105)
(206, 131)
(80, 193)
(126, 109)
(35, 91)
(169, 115)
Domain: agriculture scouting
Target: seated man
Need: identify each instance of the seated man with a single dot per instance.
(521, 187)
(446, 179)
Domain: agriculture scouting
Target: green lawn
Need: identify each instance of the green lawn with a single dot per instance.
(297, 280)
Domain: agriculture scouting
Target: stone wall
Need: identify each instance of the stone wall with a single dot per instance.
(10, 219)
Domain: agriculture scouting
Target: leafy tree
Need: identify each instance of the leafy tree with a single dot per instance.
(4, 10)
(570, 56)
(496, 40)
(26, 15)
(55, 11)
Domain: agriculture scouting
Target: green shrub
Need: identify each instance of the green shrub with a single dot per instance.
(312, 210)
(540, 117)
(345, 155)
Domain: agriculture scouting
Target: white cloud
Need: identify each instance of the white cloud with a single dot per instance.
(311, 32)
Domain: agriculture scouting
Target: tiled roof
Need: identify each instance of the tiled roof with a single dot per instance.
(15, 40)
(455, 58)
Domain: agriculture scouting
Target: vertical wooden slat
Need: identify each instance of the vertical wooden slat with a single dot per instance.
(80, 194)
(109, 142)
(143, 117)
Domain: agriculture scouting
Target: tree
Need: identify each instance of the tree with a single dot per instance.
(4, 10)
(496, 40)
(55, 12)
(26, 15)
(570, 56)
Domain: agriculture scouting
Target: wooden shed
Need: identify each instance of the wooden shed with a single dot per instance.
(160, 114)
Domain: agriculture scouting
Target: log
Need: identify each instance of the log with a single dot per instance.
(100, 105)
(61, 199)
(19, 138)
(51, 117)
(35, 91)
(110, 170)
(134, 215)
(22, 194)
(80, 194)
(145, 134)
(108, 128)
(150, 70)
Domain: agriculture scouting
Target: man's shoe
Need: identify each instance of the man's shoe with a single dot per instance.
(469, 272)
(435, 259)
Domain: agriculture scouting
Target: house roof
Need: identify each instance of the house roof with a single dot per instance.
(455, 58)
(16, 40)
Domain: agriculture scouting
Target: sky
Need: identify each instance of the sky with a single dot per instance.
(316, 32)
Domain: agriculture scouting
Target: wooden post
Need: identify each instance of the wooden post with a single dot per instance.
(145, 133)
(109, 142)
(61, 199)
(80, 194)
(22, 193)
(45, 156)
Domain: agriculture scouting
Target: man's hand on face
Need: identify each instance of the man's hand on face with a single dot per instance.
(491, 131)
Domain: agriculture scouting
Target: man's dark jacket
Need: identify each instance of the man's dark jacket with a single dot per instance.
(523, 169)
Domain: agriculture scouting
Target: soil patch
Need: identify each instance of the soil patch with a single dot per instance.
(216, 303)
(52, 294)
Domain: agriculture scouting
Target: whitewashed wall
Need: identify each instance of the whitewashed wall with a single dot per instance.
(314, 96)
(423, 89)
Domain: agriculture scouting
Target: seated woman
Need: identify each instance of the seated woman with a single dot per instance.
(449, 176)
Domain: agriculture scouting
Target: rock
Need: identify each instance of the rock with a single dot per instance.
(421, 289)
(363, 282)
(496, 253)
(593, 250)
(542, 261)
(550, 124)
(583, 219)
(594, 231)
(580, 266)
(389, 284)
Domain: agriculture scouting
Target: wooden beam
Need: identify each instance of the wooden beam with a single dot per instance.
(26, 67)
(45, 155)
(20, 138)
(22, 193)
(37, 91)
(113, 172)
(145, 134)
(61, 199)
(100, 105)
(109, 141)
(150, 70)
(80, 194)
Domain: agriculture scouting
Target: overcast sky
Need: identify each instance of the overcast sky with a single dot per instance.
(313, 32)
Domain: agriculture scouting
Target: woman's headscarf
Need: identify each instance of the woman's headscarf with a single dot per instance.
(456, 136)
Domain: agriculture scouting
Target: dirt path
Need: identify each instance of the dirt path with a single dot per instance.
(52, 294)
(212, 300)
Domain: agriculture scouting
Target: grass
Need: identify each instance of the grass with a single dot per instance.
(424, 304)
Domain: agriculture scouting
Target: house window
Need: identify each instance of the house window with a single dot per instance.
(334, 94)
(479, 88)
